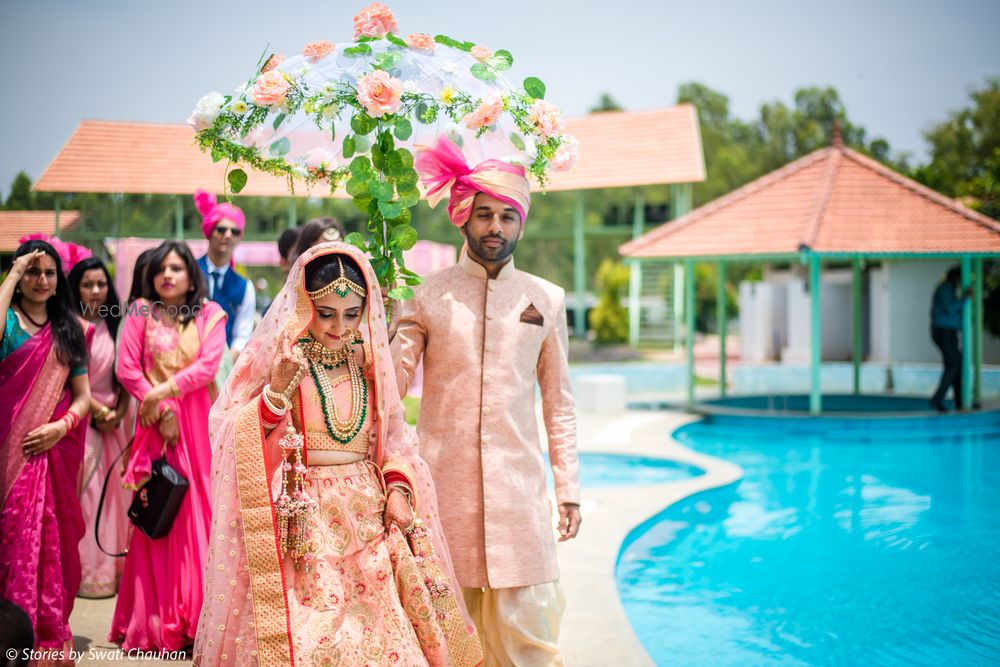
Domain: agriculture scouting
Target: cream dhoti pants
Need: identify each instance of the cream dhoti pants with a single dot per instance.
(519, 626)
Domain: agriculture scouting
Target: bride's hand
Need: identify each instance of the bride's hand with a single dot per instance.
(397, 511)
(288, 364)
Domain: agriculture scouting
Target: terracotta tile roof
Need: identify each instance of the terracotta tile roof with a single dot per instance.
(108, 156)
(15, 224)
(616, 149)
(833, 200)
(629, 148)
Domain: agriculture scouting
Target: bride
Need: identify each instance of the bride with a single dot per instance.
(325, 545)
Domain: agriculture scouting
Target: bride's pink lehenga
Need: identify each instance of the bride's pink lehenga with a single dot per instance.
(362, 595)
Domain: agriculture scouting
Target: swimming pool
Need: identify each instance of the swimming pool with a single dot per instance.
(860, 549)
(600, 470)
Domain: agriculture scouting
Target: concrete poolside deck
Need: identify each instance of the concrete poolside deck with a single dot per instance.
(595, 630)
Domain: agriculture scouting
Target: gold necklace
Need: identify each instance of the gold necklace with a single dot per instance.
(313, 350)
(320, 361)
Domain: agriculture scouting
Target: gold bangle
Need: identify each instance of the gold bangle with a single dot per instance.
(271, 396)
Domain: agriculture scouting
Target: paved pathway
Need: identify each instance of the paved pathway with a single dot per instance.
(595, 630)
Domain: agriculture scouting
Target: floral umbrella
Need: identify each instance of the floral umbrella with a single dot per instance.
(354, 113)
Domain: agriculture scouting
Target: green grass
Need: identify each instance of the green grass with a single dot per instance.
(412, 406)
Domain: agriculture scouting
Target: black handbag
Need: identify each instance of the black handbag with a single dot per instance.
(155, 504)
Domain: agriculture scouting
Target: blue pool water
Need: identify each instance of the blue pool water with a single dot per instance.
(598, 470)
(870, 549)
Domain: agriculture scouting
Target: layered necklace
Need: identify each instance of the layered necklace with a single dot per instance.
(323, 359)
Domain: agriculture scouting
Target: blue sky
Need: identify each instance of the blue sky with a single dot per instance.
(899, 65)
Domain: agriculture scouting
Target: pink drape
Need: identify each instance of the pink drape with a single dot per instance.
(160, 594)
(40, 523)
(100, 571)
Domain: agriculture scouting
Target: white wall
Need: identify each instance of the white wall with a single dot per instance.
(763, 321)
(835, 311)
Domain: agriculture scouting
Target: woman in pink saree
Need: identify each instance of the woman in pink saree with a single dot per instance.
(326, 547)
(95, 300)
(44, 397)
(170, 350)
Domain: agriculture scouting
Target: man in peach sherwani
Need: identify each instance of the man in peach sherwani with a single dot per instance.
(486, 332)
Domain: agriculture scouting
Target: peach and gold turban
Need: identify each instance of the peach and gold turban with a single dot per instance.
(444, 171)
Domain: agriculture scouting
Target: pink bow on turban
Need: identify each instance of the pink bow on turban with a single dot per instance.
(212, 212)
(444, 171)
(69, 253)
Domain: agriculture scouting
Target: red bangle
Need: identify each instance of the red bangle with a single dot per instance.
(266, 414)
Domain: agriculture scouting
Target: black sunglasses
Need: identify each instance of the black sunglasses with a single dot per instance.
(221, 231)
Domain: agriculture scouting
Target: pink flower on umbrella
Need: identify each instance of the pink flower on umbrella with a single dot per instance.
(487, 113)
(380, 93)
(272, 62)
(547, 119)
(421, 41)
(481, 53)
(316, 51)
(567, 155)
(375, 20)
(270, 88)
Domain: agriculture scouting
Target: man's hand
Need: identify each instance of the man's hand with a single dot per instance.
(569, 521)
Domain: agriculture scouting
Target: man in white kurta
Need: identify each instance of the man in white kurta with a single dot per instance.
(489, 336)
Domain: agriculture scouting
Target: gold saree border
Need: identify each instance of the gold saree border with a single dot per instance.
(267, 584)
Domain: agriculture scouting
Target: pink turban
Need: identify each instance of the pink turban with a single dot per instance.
(212, 213)
(443, 170)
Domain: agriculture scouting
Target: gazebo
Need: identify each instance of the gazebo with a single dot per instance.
(834, 205)
(617, 150)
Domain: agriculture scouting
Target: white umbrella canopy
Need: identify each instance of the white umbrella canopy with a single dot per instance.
(354, 113)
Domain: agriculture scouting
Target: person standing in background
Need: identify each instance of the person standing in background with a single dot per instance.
(170, 351)
(95, 300)
(286, 245)
(44, 400)
(946, 327)
(223, 226)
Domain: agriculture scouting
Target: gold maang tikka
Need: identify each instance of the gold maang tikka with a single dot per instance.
(342, 286)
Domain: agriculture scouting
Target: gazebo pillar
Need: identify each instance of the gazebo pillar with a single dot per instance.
(293, 213)
(635, 273)
(856, 323)
(681, 203)
(689, 333)
(977, 332)
(178, 218)
(723, 317)
(579, 266)
(678, 304)
(816, 335)
(965, 401)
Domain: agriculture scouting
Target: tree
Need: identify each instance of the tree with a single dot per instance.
(964, 148)
(606, 103)
(609, 319)
(20, 198)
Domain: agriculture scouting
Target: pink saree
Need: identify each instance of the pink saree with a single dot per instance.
(160, 594)
(363, 596)
(100, 571)
(40, 523)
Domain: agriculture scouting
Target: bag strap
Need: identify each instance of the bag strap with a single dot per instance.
(100, 504)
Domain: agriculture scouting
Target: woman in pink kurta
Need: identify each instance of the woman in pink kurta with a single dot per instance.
(170, 350)
(43, 400)
(95, 300)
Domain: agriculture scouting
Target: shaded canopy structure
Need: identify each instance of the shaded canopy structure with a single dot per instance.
(617, 149)
(17, 224)
(833, 205)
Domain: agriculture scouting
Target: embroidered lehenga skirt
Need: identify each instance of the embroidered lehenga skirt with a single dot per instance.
(361, 597)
